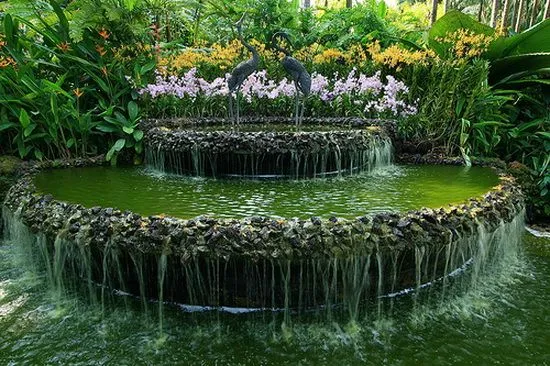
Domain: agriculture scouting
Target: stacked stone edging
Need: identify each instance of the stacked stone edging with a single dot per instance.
(257, 237)
(176, 136)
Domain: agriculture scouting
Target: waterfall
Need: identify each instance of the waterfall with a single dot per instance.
(337, 161)
(350, 287)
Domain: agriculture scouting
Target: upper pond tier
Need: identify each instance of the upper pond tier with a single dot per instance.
(397, 188)
(262, 147)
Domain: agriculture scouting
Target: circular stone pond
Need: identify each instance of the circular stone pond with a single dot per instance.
(399, 188)
(265, 244)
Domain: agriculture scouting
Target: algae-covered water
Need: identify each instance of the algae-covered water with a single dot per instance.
(503, 320)
(395, 188)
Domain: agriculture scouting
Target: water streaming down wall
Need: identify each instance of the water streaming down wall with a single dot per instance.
(351, 287)
(334, 161)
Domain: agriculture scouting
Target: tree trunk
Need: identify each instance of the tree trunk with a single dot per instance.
(349, 3)
(534, 13)
(505, 13)
(494, 13)
(307, 3)
(546, 10)
(446, 6)
(433, 14)
(480, 12)
(519, 16)
(168, 32)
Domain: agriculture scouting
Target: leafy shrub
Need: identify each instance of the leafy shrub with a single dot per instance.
(57, 95)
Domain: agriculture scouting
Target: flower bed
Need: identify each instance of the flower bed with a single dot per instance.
(356, 94)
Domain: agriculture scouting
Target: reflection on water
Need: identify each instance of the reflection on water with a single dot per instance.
(505, 320)
(145, 192)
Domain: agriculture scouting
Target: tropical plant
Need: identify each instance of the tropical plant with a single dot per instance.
(520, 74)
(57, 93)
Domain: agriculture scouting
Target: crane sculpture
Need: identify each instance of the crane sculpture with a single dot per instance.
(298, 73)
(240, 73)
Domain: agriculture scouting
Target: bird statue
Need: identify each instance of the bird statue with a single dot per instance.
(241, 72)
(298, 73)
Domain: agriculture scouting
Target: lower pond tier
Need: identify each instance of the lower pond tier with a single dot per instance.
(264, 244)
(399, 188)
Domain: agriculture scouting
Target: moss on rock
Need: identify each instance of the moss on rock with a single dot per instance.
(9, 165)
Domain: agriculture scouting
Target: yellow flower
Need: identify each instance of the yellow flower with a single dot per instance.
(396, 57)
(331, 55)
(465, 44)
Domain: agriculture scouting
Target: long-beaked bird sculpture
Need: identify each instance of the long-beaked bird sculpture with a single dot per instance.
(240, 73)
(298, 73)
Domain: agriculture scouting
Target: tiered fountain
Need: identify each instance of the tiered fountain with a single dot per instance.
(319, 218)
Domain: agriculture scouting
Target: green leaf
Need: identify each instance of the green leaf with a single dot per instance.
(533, 40)
(138, 135)
(514, 68)
(70, 143)
(128, 130)
(38, 154)
(489, 124)
(110, 153)
(112, 120)
(63, 22)
(54, 108)
(120, 118)
(7, 125)
(8, 27)
(147, 67)
(133, 110)
(24, 118)
(107, 128)
(545, 134)
(28, 130)
(119, 144)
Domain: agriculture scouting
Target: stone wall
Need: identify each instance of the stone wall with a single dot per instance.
(259, 237)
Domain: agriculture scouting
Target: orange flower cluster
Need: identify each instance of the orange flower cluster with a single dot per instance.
(64, 47)
(5, 61)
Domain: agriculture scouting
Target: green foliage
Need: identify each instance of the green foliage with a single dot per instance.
(519, 74)
(56, 98)
(361, 24)
(455, 103)
(533, 40)
(126, 128)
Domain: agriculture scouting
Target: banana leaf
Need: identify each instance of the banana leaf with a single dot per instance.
(534, 40)
(513, 68)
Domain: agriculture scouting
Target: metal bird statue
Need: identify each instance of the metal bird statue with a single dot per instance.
(302, 79)
(241, 72)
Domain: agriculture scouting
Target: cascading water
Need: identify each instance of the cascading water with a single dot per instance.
(350, 287)
(331, 159)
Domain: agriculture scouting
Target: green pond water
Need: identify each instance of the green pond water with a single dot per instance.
(504, 320)
(396, 188)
